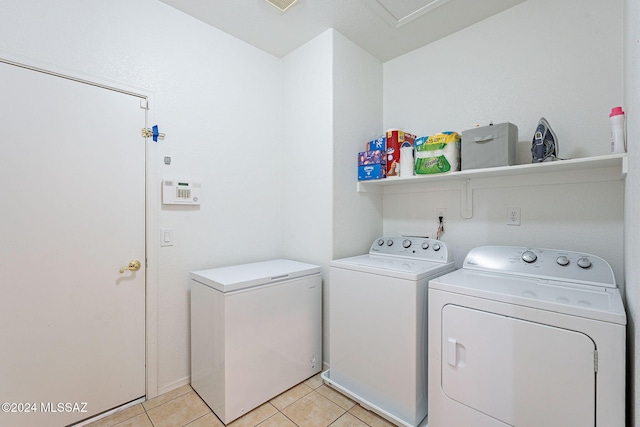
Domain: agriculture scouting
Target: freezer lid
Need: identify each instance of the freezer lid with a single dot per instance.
(236, 277)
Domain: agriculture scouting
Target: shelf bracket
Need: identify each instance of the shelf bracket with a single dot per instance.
(466, 204)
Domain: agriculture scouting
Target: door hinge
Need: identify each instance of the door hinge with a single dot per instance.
(595, 361)
(152, 133)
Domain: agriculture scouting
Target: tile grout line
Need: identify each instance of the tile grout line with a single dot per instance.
(149, 418)
(147, 414)
(278, 410)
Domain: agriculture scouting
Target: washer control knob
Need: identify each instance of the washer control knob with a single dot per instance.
(425, 245)
(380, 242)
(406, 243)
(562, 260)
(529, 256)
(389, 242)
(436, 247)
(584, 262)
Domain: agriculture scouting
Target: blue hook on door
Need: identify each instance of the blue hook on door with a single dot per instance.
(156, 134)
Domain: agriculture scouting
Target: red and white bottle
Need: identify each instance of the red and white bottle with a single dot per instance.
(617, 130)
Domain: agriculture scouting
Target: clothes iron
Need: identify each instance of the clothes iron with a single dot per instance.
(545, 143)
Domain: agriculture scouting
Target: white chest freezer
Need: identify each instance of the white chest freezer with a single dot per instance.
(256, 331)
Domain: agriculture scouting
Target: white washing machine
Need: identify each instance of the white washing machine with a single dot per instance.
(256, 331)
(378, 325)
(527, 337)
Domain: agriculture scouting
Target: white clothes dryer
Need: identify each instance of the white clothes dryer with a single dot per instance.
(527, 337)
(378, 325)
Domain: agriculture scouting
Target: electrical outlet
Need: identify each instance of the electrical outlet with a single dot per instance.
(513, 216)
(441, 212)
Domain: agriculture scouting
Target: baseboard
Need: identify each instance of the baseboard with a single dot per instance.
(174, 385)
(107, 413)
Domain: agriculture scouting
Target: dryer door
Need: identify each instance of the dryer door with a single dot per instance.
(519, 372)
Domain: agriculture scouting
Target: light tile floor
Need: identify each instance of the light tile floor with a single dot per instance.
(309, 404)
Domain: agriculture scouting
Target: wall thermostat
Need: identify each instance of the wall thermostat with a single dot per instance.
(179, 192)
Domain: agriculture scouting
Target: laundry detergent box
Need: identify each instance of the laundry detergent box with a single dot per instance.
(377, 144)
(395, 139)
(372, 164)
(437, 153)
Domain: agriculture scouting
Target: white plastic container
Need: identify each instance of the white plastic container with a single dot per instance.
(618, 144)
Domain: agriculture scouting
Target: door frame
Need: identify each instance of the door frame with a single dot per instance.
(152, 198)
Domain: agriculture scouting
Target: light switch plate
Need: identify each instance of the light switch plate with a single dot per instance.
(166, 237)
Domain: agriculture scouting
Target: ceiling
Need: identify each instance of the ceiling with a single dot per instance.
(384, 28)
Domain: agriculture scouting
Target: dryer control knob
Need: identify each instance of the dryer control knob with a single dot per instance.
(406, 243)
(389, 242)
(562, 260)
(529, 256)
(436, 247)
(380, 242)
(584, 262)
(425, 245)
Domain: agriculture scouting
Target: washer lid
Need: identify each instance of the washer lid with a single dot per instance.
(588, 301)
(398, 267)
(236, 277)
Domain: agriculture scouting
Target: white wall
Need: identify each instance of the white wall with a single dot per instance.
(357, 91)
(632, 204)
(560, 60)
(332, 105)
(217, 99)
(307, 151)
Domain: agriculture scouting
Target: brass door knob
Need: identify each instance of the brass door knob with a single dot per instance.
(133, 266)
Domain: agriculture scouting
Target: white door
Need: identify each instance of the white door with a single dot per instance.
(72, 213)
(522, 373)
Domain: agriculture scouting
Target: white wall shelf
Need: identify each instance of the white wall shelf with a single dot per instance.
(589, 169)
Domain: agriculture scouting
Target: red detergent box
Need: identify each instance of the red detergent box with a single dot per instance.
(377, 144)
(395, 138)
(372, 165)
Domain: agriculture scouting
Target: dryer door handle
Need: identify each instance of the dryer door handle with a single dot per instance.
(451, 351)
(456, 353)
